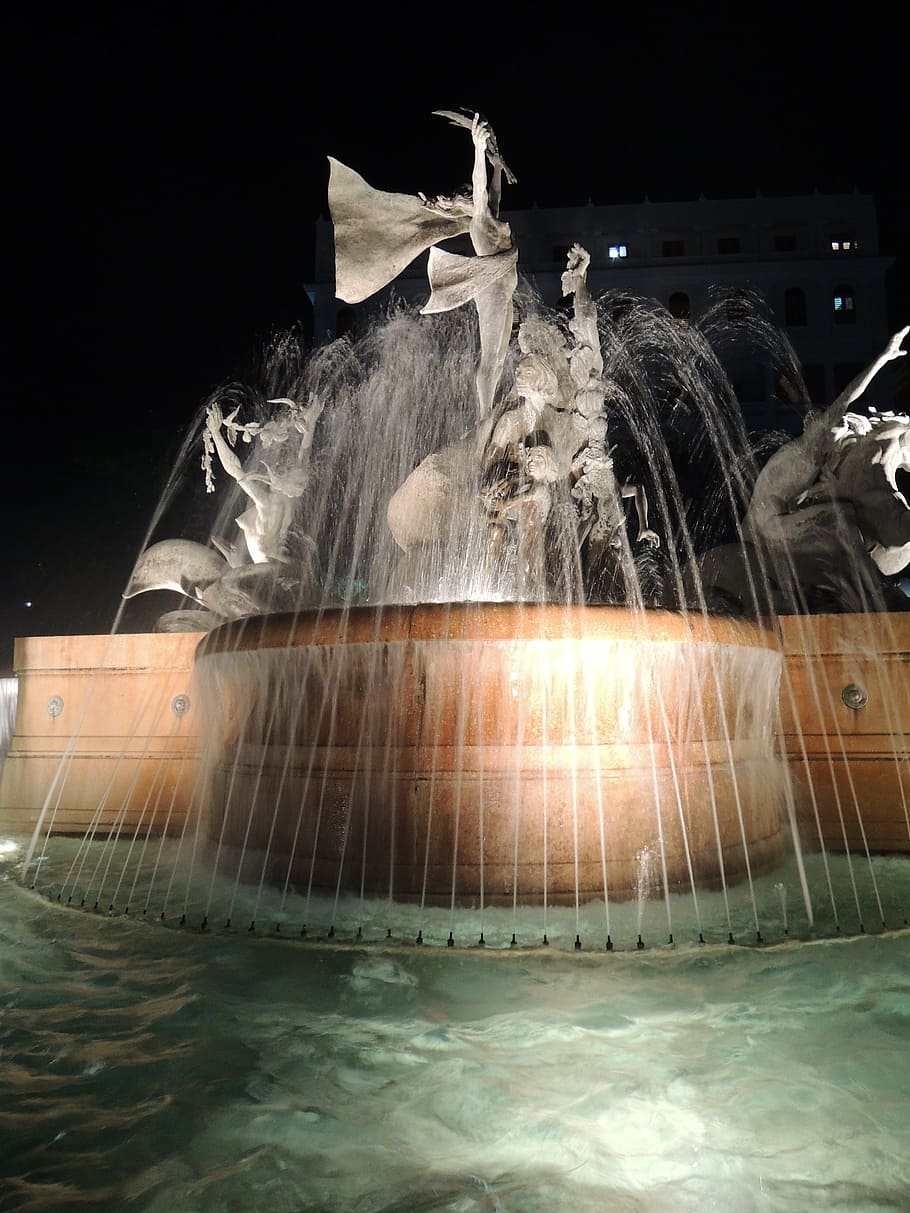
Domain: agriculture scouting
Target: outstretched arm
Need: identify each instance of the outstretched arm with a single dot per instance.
(488, 234)
(311, 415)
(855, 389)
(480, 133)
(645, 534)
(792, 470)
(229, 461)
(584, 321)
(492, 150)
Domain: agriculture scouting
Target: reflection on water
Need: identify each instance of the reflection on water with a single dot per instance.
(163, 1070)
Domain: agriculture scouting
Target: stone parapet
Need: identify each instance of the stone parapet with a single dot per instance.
(106, 734)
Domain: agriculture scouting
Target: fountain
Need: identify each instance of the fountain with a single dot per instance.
(473, 641)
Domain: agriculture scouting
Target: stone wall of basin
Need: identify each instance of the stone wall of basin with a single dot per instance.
(106, 734)
(495, 750)
(845, 710)
(108, 738)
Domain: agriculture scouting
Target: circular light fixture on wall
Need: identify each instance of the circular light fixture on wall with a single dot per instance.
(854, 697)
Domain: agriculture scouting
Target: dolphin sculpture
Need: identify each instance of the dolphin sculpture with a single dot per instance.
(177, 564)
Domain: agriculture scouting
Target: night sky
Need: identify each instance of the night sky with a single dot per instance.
(166, 166)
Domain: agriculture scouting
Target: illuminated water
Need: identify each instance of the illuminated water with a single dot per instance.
(153, 1069)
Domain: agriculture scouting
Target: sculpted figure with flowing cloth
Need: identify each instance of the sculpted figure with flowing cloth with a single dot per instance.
(377, 235)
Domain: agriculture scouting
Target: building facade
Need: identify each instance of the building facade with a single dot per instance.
(813, 259)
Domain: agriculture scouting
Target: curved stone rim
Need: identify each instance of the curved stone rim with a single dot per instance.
(480, 621)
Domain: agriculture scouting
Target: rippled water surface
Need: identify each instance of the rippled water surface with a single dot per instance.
(164, 1070)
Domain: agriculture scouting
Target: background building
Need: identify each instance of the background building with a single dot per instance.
(813, 259)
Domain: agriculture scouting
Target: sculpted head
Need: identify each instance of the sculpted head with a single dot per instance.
(535, 378)
(540, 465)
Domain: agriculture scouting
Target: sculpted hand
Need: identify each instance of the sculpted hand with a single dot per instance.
(650, 538)
(481, 132)
(576, 268)
(214, 418)
(579, 260)
(893, 348)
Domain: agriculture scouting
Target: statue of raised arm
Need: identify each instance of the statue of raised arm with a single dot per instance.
(272, 490)
(378, 234)
(583, 324)
(585, 357)
(857, 386)
(827, 517)
(490, 278)
(596, 489)
(782, 484)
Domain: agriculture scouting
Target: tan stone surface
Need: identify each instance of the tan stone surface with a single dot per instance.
(117, 757)
(513, 750)
(851, 767)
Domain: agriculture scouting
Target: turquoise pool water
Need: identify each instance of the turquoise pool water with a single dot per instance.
(160, 1070)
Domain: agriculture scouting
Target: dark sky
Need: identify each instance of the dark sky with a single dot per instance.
(166, 166)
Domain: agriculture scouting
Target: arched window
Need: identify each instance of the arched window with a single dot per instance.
(678, 305)
(795, 306)
(844, 305)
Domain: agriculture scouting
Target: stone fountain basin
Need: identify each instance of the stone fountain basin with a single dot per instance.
(493, 750)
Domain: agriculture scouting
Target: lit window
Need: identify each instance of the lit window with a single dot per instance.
(844, 305)
(617, 251)
(843, 242)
